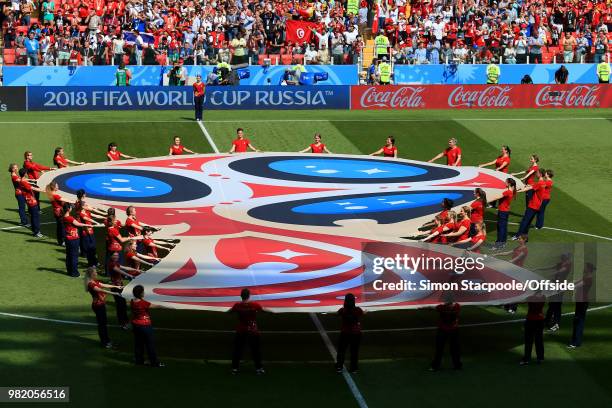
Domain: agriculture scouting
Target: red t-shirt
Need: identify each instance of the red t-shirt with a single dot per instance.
(504, 202)
(547, 187)
(439, 239)
(16, 183)
(350, 320)
(314, 148)
(28, 193)
(519, 254)
(98, 298)
(34, 169)
(535, 307)
(198, 89)
(536, 198)
(151, 250)
(532, 179)
(72, 232)
(177, 150)
(113, 156)
(477, 213)
(56, 203)
(112, 241)
(86, 230)
(466, 234)
(116, 277)
(129, 224)
(389, 151)
(241, 145)
(501, 160)
(247, 316)
(478, 237)
(451, 155)
(60, 161)
(140, 312)
(131, 260)
(448, 316)
(444, 215)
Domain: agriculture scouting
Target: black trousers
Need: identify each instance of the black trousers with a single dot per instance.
(88, 243)
(143, 338)
(198, 106)
(534, 333)
(352, 341)
(102, 321)
(553, 313)
(240, 341)
(442, 336)
(578, 323)
(60, 231)
(121, 306)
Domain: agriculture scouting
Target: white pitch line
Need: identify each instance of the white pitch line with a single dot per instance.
(182, 330)
(332, 350)
(549, 119)
(210, 140)
(22, 226)
(561, 230)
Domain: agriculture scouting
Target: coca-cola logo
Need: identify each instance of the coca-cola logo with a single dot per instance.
(489, 97)
(583, 96)
(397, 98)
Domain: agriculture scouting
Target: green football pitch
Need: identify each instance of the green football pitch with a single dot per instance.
(60, 346)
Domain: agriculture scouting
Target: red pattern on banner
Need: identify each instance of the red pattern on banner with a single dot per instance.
(574, 96)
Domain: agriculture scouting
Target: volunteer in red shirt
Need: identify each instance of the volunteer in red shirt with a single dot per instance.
(61, 161)
(548, 183)
(447, 204)
(529, 177)
(503, 210)
(241, 144)
(57, 204)
(34, 169)
(133, 259)
(98, 292)
(448, 330)
(114, 239)
(439, 227)
(479, 237)
(246, 331)
(477, 209)
(388, 150)
(502, 163)
(177, 149)
(534, 204)
(71, 226)
(534, 328)
(152, 245)
(143, 329)
(19, 196)
(317, 146)
(461, 232)
(29, 193)
(113, 153)
(117, 272)
(198, 97)
(452, 154)
(134, 226)
(88, 216)
(350, 333)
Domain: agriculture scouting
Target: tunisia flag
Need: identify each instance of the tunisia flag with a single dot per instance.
(299, 31)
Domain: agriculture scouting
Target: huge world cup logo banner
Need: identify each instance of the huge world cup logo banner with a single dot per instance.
(299, 230)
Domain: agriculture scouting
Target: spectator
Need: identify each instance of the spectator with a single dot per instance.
(535, 48)
(601, 47)
(569, 44)
(32, 49)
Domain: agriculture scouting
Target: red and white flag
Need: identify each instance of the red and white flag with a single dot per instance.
(299, 31)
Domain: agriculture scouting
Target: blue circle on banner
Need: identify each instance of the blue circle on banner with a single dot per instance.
(119, 185)
(376, 204)
(346, 169)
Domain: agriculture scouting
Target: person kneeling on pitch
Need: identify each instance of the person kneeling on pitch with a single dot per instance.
(350, 333)
(247, 331)
(448, 329)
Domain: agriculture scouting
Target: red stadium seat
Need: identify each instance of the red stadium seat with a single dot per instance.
(23, 29)
(9, 57)
(299, 58)
(286, 59)
(33, 20)
(126, 59)
(82, 28)
(261, 58)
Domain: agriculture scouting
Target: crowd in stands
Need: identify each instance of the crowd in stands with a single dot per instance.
(93, 32)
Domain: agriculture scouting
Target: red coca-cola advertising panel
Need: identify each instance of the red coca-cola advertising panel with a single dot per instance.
(481, 96)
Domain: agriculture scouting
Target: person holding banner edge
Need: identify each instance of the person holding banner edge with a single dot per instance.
(198, 97)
